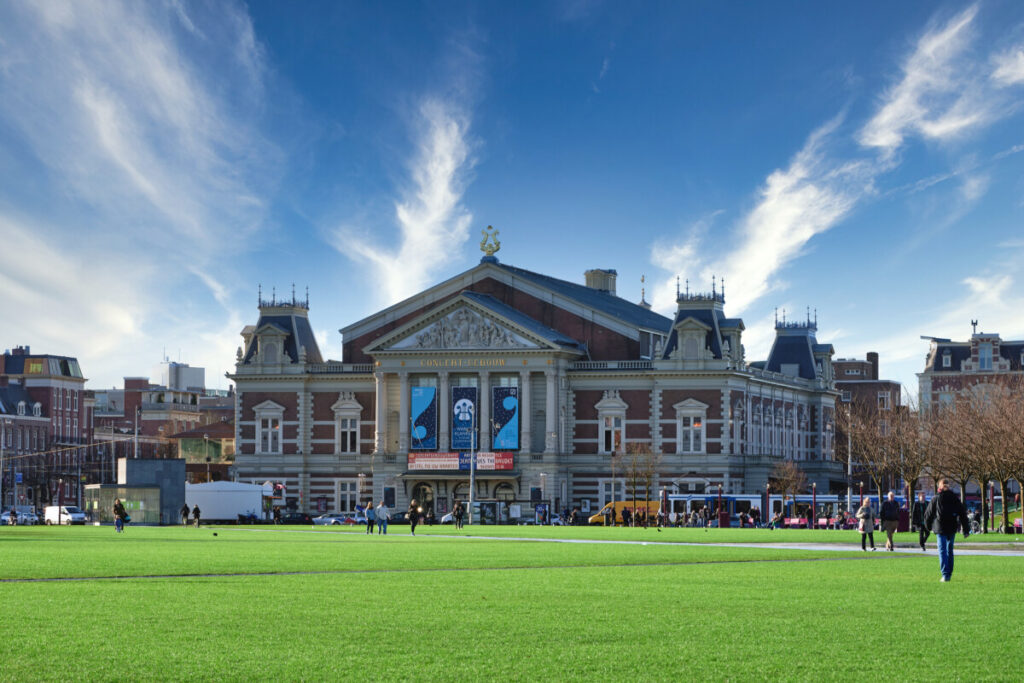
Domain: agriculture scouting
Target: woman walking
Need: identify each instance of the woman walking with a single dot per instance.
(459, 514)
(867, 523)
(371, 517)
(119, 515)
(890, 516)
(413, 515)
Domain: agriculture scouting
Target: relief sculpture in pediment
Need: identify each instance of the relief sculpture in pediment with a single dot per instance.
(464, 329)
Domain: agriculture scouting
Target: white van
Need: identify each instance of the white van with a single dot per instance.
(64, 514)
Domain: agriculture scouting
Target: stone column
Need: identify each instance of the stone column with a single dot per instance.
(380, 414)
(485, 411)
(525, 421)
(550, 430)
(403, 412)
(444, 410)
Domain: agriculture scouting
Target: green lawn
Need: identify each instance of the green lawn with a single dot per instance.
(442, 608)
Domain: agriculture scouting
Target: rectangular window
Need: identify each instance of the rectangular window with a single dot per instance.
(611, 437)
(76, 400)
(985, 356)
(348, 496)
(851, 371)
(947, 360)
(67, 399)
(270, 435)
(883, 428)
(691, 434)
(846, 396)
(884, 400)
(75, 426)
(348, 435)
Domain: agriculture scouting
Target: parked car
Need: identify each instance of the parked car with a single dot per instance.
(356, 519)
(63, 514)
(331, 518)
(296, 518)
(26, 514)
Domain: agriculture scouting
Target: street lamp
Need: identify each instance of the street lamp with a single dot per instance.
(206, 440)
(543, 493)
(814, 504)
(849, 456)
(4, 423)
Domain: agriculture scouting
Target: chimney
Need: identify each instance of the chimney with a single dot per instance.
(873, 359)
(601, 280)
(21, 351)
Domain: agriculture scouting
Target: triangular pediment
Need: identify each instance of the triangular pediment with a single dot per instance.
(461, 324)
(691, 323)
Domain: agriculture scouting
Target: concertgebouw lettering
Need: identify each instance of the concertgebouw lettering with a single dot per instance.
(462, 362)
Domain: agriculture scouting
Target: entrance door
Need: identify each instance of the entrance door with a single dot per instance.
(423, 494)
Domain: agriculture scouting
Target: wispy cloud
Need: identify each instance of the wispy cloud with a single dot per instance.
(935, 97)
(432, 222)
(1009, 67)
(153, 159)
(940, 95)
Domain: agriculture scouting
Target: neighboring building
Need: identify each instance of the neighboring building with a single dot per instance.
(560, 375)
(951, 367)
(179, 376)
(50, 428)
(859, 387)
(152, 411)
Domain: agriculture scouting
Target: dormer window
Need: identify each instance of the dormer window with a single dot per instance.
(37, 410)
(985, 356)
(947, 360)
(21, 407)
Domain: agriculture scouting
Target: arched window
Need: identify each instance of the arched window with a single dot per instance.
(423, 494)
(505, 492)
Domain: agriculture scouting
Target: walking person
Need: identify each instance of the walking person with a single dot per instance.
(459, 513)
(184, 514)
(946, 513)
(195, 515)
(413, 513)
(371, 516)
(120, 514)
(867, 524)
(889, 514)
(383, 515)
(917, 517)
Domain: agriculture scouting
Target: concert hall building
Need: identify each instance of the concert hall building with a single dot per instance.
(544, 380)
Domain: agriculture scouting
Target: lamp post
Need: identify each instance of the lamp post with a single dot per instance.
(814, 504)
(472, 462)
(137, 411)
(206, 440)
(543, 492)
(849, 456)
(3, 442)
(720, 516)
(767, 501)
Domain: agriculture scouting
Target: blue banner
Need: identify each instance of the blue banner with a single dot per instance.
(464, 419)
(505, 416)
(423, 414)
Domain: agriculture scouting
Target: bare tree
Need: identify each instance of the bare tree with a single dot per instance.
(870, 441)
(910, 437)
(641, 464)
(788, 478)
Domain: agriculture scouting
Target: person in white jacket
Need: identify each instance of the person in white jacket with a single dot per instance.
(383, 515)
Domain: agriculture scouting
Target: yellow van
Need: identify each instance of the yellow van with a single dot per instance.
(620, 505)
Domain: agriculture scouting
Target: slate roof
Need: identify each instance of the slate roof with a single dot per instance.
(299, 333)
(709, 317)
(66, 366)
(526, 322)
(796, 345)
(13, 394)
(961, 351)
(607, 303)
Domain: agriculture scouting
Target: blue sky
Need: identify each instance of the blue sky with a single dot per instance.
(160, 160)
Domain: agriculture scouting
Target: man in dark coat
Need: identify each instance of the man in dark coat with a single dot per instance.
(944, 515)
(917, 519)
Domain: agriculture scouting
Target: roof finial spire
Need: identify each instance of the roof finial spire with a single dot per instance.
(808, 316)
(776, 316)
(677, 286)
(687, 286)
(723, 290)
(643, 290)
(815, 318)
(259, 295)
(307, 296)
(293, 293)
(713, 292)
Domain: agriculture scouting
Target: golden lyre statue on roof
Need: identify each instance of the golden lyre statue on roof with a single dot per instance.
(489, 244)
